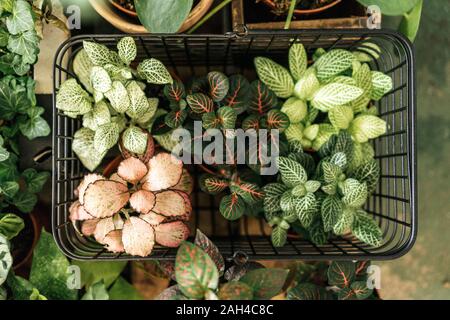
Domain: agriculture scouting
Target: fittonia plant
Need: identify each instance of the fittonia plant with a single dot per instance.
(140, 204)
(109, 95)
(328, 106)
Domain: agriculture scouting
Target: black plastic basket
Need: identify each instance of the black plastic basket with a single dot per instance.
(393, 204)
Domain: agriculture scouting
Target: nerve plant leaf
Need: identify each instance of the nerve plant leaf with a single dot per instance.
(276, 120)
(118, 97)
(261, 98)
(295, 109)
(249, 192)
(333, 95)
(138, 237)
(333, 63)
(365, 127)
(172, 204)
(143, 201)
(308, 291)
(213, 185)
(175, 91)
(106, 136)
(99, 54)
(219, 85)
(5, 259)
(200, 103)
(72, 98)
(195, 271)
(163, 162)
(307, 85)
(273, 193)
(171, 234)
(100, 80)
(127, 50)
(292, 173)
(154, 72)
(232, 207)
(331, 211)
(104, 198)
(381, 83)
(135, 140)
(366, 229)
(238, 94)
(298, 60)
(265, 283)
(235, 291)
(211, 249)
(275, 76)
(341, 273)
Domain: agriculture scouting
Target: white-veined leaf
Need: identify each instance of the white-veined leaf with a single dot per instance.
(381, 83)
(275, 76)
(365, 127)
(106, 136)
(127, 50)
(333, 63)
(135, 140)
(366, 229)
(154, 72)
(307, 85)
(298, 60)
(333, 95)
(341, 116)
(292, 173)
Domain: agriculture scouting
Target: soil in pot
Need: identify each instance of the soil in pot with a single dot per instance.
(281, 7)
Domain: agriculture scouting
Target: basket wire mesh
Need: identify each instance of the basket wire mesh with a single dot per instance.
(393, 204)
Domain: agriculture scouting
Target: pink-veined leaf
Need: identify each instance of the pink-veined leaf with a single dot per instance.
(238, 94)
(116, 177)
(186, 184)
(232, 207)
(104, 226)
(142, 201)
(152, 218)
(104, 198)
(138, 237)
(88, 227)
(211, 249)
(251, 122)
(175, 91)
(227, 117)
(200, 103)
(277, 120)
(250, 192)
(219, 85)
(132, 170)
(164, 171)
(175, 118)
(262, 99)
(171, 234)
(212, 184)
(77, 212)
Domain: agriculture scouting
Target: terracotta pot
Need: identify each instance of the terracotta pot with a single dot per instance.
(271, 4)
(111, 14)
(124, 10)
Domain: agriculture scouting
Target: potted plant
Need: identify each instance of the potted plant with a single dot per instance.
(281, 7)
(154, 16)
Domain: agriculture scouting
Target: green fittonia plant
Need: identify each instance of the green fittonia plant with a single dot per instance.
(110, 96)
(223, 103)
(199, 272)
(325, 193)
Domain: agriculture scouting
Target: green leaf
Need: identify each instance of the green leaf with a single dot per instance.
(25, 201)
(99, 54)
(122, 290)
(250, 192)
(212, 185)
(9, 188)
(306, 207)
(36, 295)
(278, 237)
(346, 294)
(218, 85)
(261, 98)
(363, 78)
(265, 283)
(106, 136)
(295, 109)
(333, 63)
(95, 271)
(232, 207)
(135, 140)
(366, 229)
(118, 97)
(292, 173)
(308, 291)
(341, 273)
(35, 127)
(391, 8)
(139, 104)
(275, 76)
(273, 193)
(195, 272)
(369, 173)
(298, 60)
(99, 115)
(331, 211)
(307, 85)
(96, 292)
(168, 18)
(341, 116)
(355, 193)
(365, 127)
(49, 270)
(35, 180)
(200, 103)
(5, 259)
(83, 147)
(26, 45)
(3, 292)
(381, 84)
(276, 120)
(202, 241)
(127, 50)
(4, 154)
(21, 288)
(175, 91)
(251, 123)
(411, 21)
(237, 97)
(333, 95)
(21, 18)
(360, 289)
(317, 233)
(82, 66)
(227, 117)
(154, 70)
(175, 119)
(100, 79)
(345, 222)
(312, 186)
(12, 101)
(72, 98)
(210, 120)
(366, 52)
(235, 290)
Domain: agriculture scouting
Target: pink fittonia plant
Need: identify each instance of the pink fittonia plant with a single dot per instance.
(140, 204)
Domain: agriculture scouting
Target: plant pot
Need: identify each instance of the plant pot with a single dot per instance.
(129, 12)
(271, 4)
(129, 25)
(23, 244)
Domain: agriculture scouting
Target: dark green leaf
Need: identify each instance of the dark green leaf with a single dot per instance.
(163, 16)
(35, 127)
(218, 85)
(276, 120)
(238, 94)
(227, 117)
(360, 289)
(35, 180)
(212, 185)
(366, 229)
(21, 288)
(331, 211)
(174, 119)
(278, 236)
(235, 291)
(11, 225)
(49, 270)
(273, 192)
(210, 248)
(175, 92)
(308, 291)
(251, 122)
(369, 173)
(25, 201)
(9, 188)
(200, 103)
(195, 271)
(341, 273)
(12, 102)
(250, 192)
(122, 290)
(265, 283)
(261, 99)
(232, 207)
(346, 294)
